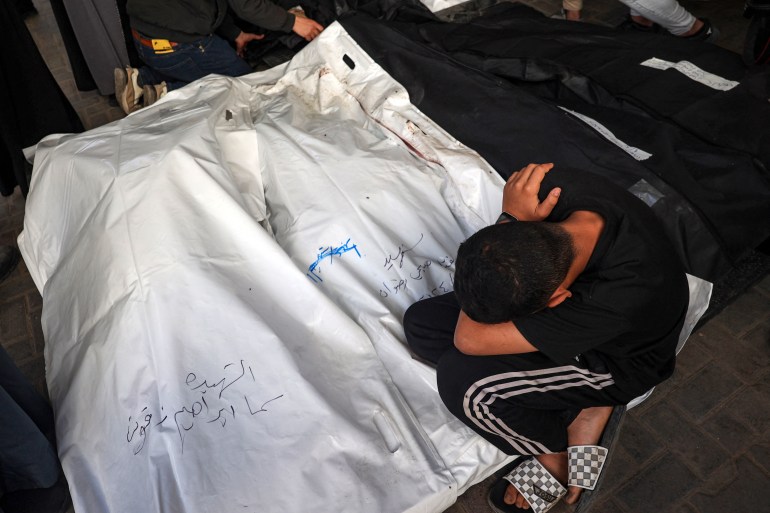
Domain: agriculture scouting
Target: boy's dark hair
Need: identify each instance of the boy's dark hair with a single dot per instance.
(509, 270)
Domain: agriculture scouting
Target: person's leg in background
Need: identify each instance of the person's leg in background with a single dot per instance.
(572, 9)
(31, 480)
(173, 66)
(670, 15)
(9, 257)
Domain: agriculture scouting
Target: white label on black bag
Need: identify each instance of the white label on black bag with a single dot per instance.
(693, 72)
(607, 134)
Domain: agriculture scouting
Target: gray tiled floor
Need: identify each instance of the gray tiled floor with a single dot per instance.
(700, 444)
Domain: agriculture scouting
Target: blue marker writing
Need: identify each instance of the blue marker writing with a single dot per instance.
(329, 252)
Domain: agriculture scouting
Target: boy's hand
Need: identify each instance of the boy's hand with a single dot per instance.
(520, 194)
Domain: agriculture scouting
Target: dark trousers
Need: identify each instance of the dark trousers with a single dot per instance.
(27, 455)
(189, 62)
(521, 403)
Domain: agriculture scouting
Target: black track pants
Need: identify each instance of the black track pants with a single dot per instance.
(521, 403)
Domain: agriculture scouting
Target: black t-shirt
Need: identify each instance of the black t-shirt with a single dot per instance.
(628, 305)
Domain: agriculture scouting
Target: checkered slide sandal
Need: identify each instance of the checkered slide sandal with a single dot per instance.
(585, 465)
(540, 489)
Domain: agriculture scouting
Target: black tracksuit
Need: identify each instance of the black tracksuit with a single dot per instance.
(613, 340)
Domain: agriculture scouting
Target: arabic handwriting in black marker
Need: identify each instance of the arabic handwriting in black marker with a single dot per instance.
(446, 262)
(261, 408)
(418, 274)
(130, 433)
(437, 291)
(130, 436)
(207, 386)
(222, 383)
(207, 409)
(401, 252)
(143, 432)
(220, 418)
(194, 413)
(243, 372)
(440, 290)
(163, 419)
(399, 285)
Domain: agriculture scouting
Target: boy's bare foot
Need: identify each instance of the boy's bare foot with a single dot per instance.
(586, 429)
(555, 463)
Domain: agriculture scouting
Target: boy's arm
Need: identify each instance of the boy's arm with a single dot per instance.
(520, 199)
(477, 339)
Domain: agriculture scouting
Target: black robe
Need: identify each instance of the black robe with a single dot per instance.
(31, 103)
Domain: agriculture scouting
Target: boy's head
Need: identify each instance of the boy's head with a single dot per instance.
(509, 270)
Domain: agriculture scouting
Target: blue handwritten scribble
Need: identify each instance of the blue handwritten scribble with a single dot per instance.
(329, 252)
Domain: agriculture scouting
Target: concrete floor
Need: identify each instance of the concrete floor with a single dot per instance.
(700, 444)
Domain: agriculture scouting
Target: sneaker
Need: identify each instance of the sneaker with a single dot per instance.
(708, 33)
(153, 93)
(127, 90)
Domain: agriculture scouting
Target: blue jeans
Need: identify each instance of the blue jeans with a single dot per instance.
(189, 62)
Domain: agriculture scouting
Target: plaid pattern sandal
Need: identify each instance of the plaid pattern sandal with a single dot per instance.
(538, 487)
(585, 465)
